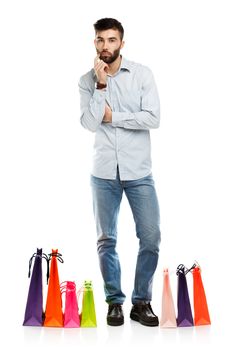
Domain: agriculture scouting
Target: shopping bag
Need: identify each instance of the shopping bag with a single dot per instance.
(71, 310)
(53, 312)
(168, 316)
(88, 314)
(184, 316)
(34, 306)
(201, 312)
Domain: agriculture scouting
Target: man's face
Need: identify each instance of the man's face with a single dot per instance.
(108, 45)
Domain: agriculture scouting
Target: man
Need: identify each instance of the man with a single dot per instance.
(119, 102)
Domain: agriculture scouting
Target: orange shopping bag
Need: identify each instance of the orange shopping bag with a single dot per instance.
(168, 316)
(201, 312)
(53, 312)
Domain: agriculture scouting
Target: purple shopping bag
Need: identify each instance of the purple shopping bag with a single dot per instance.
(34, 307)
(184, 317)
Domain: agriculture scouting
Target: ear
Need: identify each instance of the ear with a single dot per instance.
(122, 44)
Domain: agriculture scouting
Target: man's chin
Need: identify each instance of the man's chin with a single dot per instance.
(107, 60)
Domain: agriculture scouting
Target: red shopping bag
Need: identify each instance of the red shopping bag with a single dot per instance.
(201, 312)
(53, 312)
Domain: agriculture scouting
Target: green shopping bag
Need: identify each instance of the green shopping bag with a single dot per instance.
(88, 313)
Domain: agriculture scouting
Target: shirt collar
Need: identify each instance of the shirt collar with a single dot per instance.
(124, 65)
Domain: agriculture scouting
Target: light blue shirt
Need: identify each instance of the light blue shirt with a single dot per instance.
(132, 95)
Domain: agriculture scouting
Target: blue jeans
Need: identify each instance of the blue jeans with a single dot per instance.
(141, 195)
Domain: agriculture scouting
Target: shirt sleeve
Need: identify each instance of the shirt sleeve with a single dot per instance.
(92, 106)
(149, 116)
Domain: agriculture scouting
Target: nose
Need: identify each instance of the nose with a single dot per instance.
(106, 46)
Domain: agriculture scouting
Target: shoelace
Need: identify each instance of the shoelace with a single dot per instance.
(117, 306)
(41, 256)
(147, 306)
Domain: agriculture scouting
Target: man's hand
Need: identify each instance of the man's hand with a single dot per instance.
(108, 115)
(100, 68)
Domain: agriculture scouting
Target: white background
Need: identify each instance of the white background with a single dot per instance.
(46, 159)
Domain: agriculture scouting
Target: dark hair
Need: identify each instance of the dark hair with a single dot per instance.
(109, 23)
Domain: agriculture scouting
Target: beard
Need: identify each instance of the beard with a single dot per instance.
(107, 57)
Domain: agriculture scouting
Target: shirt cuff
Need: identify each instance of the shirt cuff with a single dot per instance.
(99, 95)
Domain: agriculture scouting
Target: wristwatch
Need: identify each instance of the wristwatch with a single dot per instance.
(100, 86)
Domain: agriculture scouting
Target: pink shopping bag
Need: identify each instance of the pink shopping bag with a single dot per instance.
(168, 316)
(71, 310)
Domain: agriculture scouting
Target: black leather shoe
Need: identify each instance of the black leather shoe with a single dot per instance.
(115, 315)
(142, 312)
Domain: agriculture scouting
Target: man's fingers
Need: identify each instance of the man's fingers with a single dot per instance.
(97, 59)
(100, 65)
